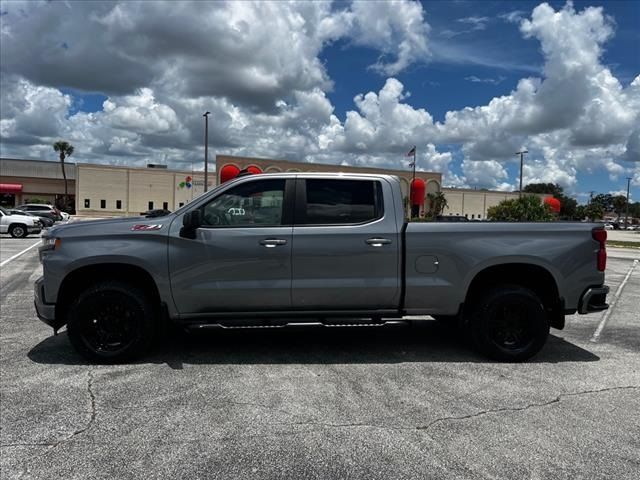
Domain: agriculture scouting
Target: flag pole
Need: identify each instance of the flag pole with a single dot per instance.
(413, 176)
(413, 181)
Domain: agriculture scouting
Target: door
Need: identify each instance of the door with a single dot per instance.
(346, 249)
(240, 258)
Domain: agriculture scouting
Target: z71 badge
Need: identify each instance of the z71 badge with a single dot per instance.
(146, 228)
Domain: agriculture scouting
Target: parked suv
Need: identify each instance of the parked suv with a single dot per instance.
(41, 209)
(44, 219)
(18, 226)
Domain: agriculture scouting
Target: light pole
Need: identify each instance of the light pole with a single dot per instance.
(521, 153)
(206, 150)
(626, 215)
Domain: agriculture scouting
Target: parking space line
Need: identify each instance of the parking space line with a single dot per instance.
(607, 314)
(19, 253)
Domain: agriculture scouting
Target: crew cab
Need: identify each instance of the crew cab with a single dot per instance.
(18, 226)
(271, 249)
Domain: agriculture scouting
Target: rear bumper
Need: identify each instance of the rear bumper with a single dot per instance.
(594, 299)
(45, 311)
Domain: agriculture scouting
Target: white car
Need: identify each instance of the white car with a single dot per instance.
(18, 226)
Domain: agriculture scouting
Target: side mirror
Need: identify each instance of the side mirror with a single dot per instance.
(190, 222)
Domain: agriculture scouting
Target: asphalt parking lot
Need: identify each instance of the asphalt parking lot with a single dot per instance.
(397, 402)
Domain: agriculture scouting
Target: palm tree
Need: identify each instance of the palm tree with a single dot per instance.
(438, 203)
(65, 149)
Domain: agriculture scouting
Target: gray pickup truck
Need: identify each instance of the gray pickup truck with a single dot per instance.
(276, 249)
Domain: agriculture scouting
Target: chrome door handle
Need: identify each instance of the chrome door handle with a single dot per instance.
(272, 242)
(378, 242)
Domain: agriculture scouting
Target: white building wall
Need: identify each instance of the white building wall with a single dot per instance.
(150, 190)
(95, 184)
(474, 203)
(135, 188)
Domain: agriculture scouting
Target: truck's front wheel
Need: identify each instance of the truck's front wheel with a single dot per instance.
(111, 322)
(509, 323)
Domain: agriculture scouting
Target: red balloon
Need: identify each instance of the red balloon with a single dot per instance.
(253, 169)
(553, 203)
(418, 189)
(228, 172)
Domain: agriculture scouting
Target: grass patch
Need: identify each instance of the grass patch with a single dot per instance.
(623, 244)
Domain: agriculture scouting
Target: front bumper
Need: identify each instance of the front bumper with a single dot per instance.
(594, 299)
(45, 311)
(34, 229)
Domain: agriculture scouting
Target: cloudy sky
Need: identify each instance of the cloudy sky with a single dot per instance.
(468, 82)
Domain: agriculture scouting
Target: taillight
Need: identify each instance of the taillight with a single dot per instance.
(600, 236)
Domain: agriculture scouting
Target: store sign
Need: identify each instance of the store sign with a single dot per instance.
(187, 183)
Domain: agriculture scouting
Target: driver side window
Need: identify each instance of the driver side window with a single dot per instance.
(257, 203)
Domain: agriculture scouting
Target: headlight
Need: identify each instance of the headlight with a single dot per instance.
(50, 243)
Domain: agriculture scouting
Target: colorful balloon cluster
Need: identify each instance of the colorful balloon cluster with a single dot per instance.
(187, 182)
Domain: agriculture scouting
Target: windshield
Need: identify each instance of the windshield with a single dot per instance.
(4, 212)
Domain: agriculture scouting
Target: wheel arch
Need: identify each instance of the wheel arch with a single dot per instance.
(529, 275)
(86, 275)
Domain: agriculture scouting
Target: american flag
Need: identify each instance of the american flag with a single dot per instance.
(412, 152)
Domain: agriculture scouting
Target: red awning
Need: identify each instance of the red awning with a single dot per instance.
(10, 188)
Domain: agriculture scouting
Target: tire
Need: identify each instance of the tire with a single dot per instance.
(111, 322)
(18, 231)
(508, 323)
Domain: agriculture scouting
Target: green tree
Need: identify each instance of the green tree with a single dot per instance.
(437, 203)
(591, 211)
(64, 149)
(552, 188)
(594, 212)
(529, 208)
(604, 200)
(619, 203)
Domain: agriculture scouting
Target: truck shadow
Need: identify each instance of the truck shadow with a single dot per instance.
(424, 342)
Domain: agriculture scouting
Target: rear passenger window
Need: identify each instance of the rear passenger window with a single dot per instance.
(334, 202)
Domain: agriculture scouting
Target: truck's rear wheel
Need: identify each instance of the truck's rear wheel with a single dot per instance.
(509, 323)
(111, 322)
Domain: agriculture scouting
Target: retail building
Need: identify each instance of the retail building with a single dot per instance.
(106, 190)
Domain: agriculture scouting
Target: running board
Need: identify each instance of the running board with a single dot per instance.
(220, 326)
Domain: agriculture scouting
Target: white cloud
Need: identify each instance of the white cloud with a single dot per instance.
(577, 116)
(494, 81)
(221, 49)
(490, 174)
(140, 113)
(514, 16)
(397, 28)
(30, 112)
(477, 23)
(383, 123)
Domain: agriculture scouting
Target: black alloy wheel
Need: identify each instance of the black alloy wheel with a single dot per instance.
(111, 322)
(509, 323)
